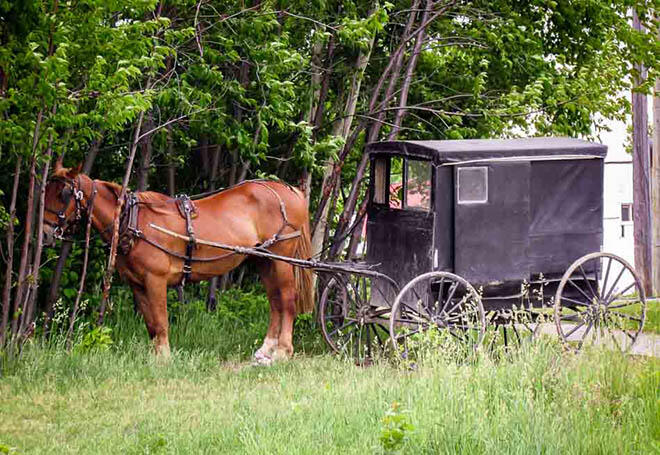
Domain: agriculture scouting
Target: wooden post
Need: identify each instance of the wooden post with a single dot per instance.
(655, 186)
(641, 178)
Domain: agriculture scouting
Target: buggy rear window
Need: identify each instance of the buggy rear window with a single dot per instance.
(472, 183)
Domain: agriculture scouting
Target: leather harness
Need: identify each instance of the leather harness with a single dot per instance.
(129, 230)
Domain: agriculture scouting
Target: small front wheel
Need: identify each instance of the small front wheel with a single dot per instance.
(353, 313)
(437, 304)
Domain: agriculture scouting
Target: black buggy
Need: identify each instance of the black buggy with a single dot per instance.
(504, 234)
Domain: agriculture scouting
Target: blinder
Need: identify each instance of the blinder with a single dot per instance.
(71, 190)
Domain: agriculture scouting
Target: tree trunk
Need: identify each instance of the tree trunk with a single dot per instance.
(655, 181)
(405, 87)
(6, 293)
(36, 263)
(53, 291)
(145, 157)
(21, 288)
(396, 70)
(316, 94)
(171, 169)
(211, 302)
(107, 279)
(349, 207)
(342, 127)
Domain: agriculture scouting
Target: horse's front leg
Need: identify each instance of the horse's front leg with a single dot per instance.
(152, 301)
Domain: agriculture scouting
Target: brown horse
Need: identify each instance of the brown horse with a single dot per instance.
(249, 214)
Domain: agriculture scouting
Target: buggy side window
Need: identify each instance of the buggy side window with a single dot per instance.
(396, 182)
(418, 185)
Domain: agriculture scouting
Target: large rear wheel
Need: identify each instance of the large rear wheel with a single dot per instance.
(600, 301)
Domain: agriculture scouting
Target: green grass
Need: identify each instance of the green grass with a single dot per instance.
(209, 400)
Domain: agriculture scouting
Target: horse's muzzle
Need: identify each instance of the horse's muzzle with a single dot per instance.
(48, 237)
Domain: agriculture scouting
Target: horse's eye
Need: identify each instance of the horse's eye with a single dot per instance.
(66, 194)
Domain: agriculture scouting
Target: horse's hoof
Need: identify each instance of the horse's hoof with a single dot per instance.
(281, 354)
(262, 360)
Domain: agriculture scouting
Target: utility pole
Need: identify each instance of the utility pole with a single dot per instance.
(641, 177)
(655, 185)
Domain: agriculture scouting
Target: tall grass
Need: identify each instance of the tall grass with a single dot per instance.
(537, 399)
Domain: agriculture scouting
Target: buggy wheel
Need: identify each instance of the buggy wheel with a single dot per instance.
(442, 305)
(508, 329)
(600, 300)
(353, 313)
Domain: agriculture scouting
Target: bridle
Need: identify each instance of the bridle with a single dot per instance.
(72, 189)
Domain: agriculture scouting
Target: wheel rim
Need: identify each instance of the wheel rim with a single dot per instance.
(436, 303)
(600, 301)
(350, 323)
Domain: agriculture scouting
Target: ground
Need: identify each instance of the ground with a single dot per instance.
(538, 401)
(110, 395)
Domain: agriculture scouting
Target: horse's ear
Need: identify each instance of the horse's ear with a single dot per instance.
(74, 171)
(58, 169)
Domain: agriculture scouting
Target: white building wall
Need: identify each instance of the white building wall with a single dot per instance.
(617, 233)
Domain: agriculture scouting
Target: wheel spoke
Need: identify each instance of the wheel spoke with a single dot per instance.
(613, 335)
(575, 317)
(624, 330)
(375, 329)
(574, 329)
(414, 310)
(576, 302)
(584, 335)
(607, 274)
(452, 290)
(460, 302)
(620, 294)
(606, 296)
(342, 327)
(627, 316)
(407, 334)
(581, 291)
(584, 275)
(440, 292)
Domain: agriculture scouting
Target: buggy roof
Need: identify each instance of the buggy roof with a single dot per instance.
(456, 151)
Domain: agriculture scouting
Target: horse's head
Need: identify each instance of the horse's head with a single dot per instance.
(62, 204)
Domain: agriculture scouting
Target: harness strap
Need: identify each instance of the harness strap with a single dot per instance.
(279, 199)
(184, 201)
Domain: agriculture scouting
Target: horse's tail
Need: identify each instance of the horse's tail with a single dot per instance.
(303, 276)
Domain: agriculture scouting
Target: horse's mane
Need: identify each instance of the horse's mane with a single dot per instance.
(152, 196)
(143, 196)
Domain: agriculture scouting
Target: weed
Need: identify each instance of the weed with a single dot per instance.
(396, 429)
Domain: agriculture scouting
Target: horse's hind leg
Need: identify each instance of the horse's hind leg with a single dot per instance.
(286, 289)
(264, 354)
(279, 282)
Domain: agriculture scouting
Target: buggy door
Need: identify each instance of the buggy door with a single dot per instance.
(491, 230)
(400, 217)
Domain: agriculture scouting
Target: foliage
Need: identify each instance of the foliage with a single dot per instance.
(231, 90)
(97, 339)
(396, 428)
